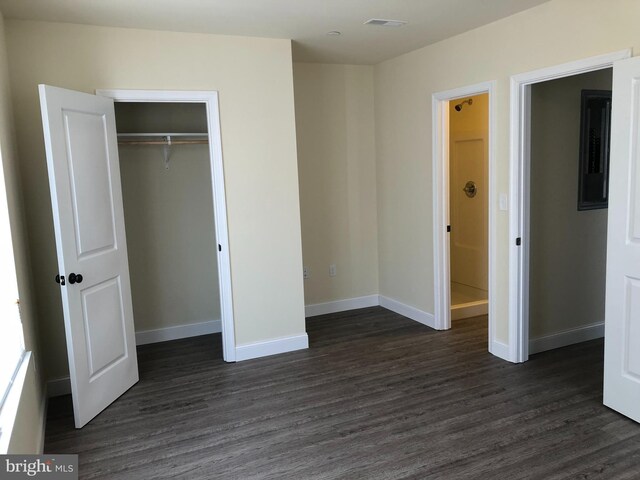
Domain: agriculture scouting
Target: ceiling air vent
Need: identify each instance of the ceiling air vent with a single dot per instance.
(385, 23)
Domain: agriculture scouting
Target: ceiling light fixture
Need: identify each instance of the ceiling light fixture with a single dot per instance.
(385, 23)
(334, 33)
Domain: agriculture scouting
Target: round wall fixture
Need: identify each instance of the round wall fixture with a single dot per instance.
(470, 189)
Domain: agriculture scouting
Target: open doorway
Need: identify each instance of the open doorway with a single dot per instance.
(621, 383)
(464, 152)
(521, 199)
(570, 128)
(81, 142)
(169, 218)
(469, 205)
(171, 138)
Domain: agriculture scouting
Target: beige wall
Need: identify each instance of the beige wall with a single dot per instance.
(170, 236)
(254, 79)
(553, 33)
(568, 247)
(169, 218)
(472, 118)
(336, 164)
(28, 432)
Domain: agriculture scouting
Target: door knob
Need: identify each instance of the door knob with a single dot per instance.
(470, 189)
(75, 278)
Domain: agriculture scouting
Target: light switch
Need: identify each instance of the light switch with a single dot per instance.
(503, 202)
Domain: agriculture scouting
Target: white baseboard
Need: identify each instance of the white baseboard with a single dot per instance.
(566, 337)
(271, 347)
(341, 305)
(58, 387)
(410, 312)
(470, 309)
(500, 350)
(371, 301)
(180, 331)
(62, 386)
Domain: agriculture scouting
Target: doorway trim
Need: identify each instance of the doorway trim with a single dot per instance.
(520, 188)
(210, 100)
(441, 261)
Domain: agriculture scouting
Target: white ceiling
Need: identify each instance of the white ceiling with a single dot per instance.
(304, 21)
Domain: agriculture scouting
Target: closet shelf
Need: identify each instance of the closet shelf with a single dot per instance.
(166, 139)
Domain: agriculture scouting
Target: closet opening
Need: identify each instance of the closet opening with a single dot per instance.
(175, 216)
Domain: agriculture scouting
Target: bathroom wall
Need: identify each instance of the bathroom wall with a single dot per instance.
(468, 161)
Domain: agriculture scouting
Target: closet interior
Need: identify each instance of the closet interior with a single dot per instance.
(165, 170)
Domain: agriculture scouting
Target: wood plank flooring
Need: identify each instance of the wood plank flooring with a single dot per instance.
(376, 396)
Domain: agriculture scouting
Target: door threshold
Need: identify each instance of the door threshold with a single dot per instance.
(469, 309)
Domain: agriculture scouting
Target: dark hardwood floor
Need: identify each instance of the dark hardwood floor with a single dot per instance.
(376, 396)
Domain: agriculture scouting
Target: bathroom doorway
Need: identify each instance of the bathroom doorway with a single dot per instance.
(468, 205)
(464, 188)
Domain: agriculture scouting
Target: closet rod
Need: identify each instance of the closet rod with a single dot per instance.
(162, 138)
(161, 134)
(163, 142)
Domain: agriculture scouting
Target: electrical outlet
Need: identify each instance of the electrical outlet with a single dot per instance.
(332, 270)
(306, 273)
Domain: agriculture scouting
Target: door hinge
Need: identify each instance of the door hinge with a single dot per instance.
(448, 228)
(219, 247)
(518, 241)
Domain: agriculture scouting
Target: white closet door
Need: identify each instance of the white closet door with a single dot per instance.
(84, 178)
(622, 311)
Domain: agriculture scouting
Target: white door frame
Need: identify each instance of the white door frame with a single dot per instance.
(519, 188)
(442, 285)
(210, 99)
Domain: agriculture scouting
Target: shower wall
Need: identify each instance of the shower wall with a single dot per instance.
(468, 166)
